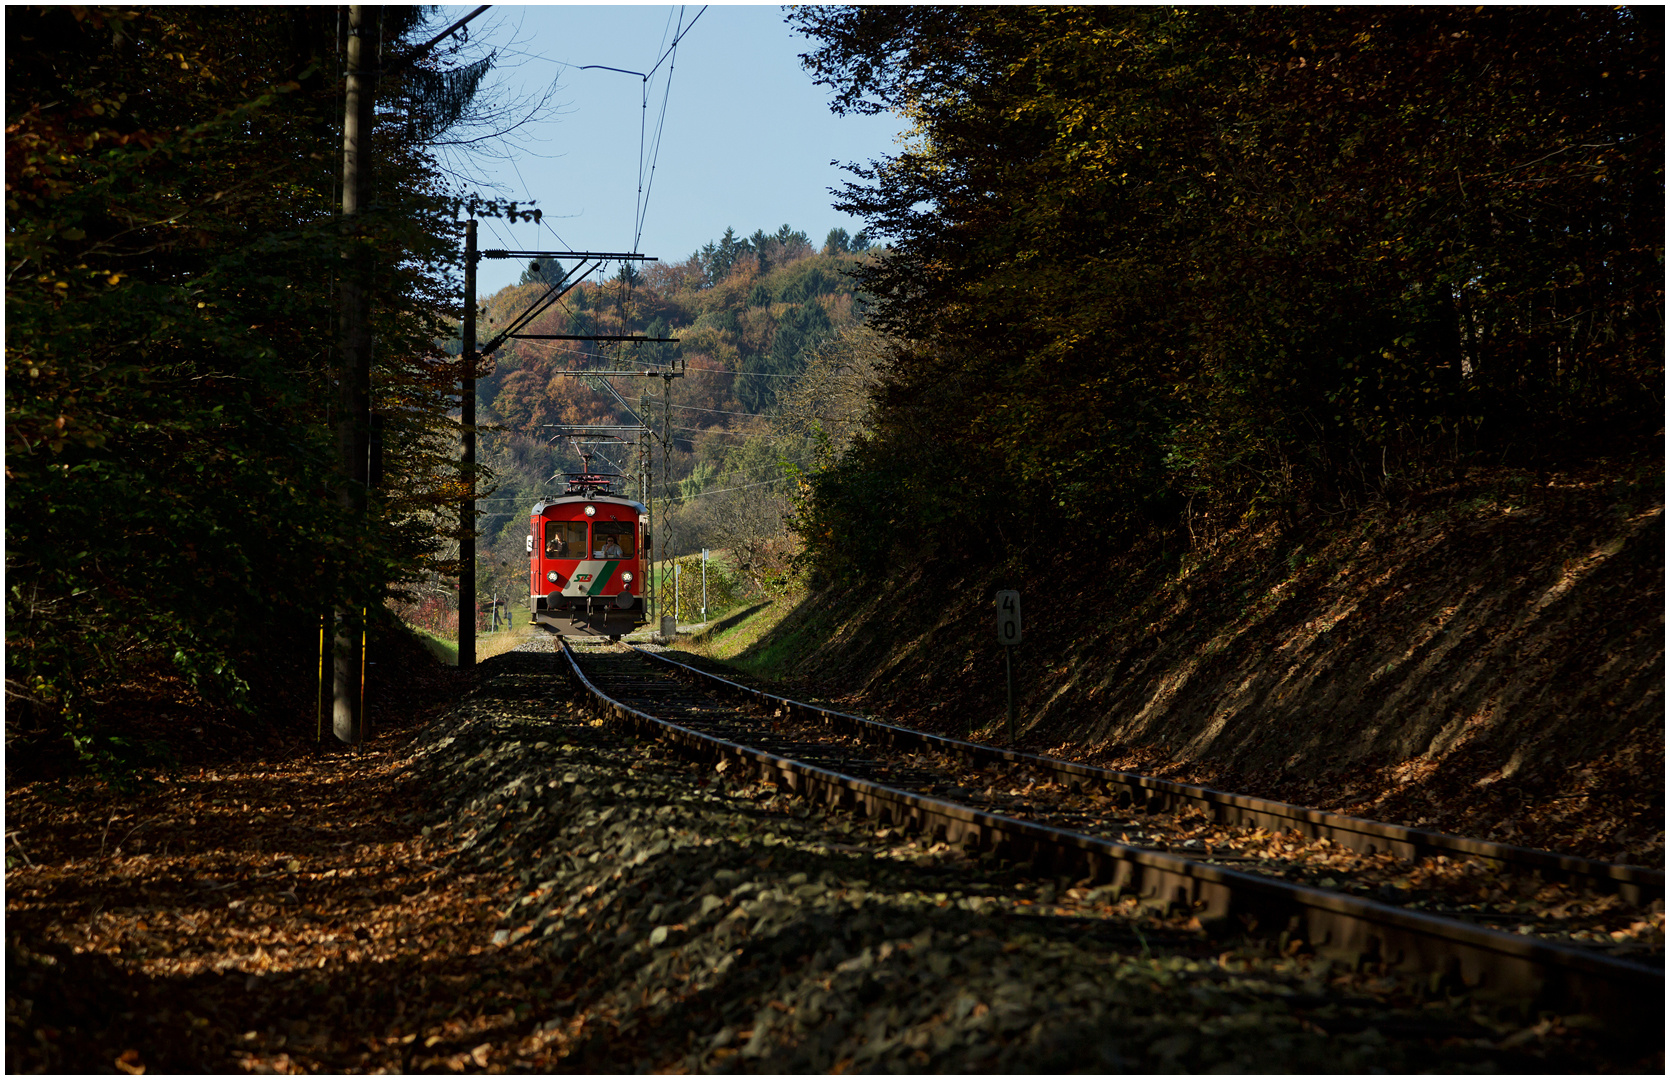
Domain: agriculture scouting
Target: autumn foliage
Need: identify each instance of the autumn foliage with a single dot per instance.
(1154, 263)
(751, 317)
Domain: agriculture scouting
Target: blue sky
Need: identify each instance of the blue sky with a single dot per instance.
(746, 142)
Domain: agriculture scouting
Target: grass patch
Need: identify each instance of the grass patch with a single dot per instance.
(443, 649)
(504, 641)
(780, 655)
(486, 644)
(733, 638)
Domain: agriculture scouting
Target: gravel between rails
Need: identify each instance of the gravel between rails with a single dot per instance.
(715, 928)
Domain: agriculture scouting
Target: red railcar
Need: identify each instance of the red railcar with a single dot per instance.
(588, 552)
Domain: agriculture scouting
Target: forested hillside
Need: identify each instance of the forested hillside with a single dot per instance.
(750, 315)
(1156, 269)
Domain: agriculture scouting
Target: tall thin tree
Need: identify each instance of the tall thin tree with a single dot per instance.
(353, 425)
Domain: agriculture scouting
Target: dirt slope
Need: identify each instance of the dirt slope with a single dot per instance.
(1486, 659)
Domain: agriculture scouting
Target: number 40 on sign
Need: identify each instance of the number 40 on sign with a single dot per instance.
(1008, 617)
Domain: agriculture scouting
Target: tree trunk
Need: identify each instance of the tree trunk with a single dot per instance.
(353, 426)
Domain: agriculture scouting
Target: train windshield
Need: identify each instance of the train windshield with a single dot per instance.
(613, 539)
(565, 539)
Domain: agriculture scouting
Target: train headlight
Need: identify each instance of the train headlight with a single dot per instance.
(627, 577)
(591, 511)
(551, 576)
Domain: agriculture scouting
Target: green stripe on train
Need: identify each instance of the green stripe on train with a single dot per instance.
(602, 578)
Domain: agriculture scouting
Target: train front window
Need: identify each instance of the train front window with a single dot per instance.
(613, 539)
(565, 539)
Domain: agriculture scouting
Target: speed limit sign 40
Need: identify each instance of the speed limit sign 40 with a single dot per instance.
(1008, 617)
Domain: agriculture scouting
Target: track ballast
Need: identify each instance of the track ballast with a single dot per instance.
(1034, 811)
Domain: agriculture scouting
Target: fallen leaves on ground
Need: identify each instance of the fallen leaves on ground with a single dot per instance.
(272, 918)
(522, 889)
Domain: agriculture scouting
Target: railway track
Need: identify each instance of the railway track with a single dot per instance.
(1635, 885)
(1232, 860)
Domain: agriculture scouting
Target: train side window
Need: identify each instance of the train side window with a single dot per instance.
(565, 539)
(613, 539)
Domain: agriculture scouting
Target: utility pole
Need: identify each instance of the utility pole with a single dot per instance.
(353, 426)
(646, 495)
(466, 421)
(666, 521)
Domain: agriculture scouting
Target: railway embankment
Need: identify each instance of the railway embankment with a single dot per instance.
(1485, 659)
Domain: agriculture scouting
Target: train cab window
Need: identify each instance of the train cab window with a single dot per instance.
(565, 539)
(613, 539)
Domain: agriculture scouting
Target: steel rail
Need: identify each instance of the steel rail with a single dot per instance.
(1507, 969)
(1634, 884)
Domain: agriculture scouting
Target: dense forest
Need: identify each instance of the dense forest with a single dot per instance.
(1154, 270)
(175, 255)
